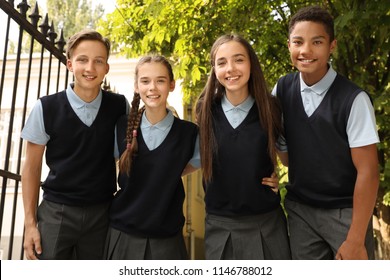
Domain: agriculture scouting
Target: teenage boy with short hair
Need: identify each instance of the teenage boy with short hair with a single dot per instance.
(76, 128)
(331, 141)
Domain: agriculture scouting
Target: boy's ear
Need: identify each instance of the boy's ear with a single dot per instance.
(69, 65)
(107, 68)
(333, 45)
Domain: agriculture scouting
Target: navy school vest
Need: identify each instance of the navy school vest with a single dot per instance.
(80, 158)
(150, 201)
(242, 160)
(321, 171)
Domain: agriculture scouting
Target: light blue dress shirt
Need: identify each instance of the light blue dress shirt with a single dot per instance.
(361, 127)
(154, 135)
(235, 116)
(34, 129)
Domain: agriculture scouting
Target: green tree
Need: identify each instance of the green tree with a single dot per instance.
(26, 43)
(363, 56)
(70, 16)
(184, 31)
(73, 15)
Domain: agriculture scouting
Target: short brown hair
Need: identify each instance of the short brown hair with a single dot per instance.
(83, 35)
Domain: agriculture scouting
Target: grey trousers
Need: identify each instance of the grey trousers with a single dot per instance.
(69, 232)
(317, 233)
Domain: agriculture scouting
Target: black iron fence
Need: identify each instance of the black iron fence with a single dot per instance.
(26, 75)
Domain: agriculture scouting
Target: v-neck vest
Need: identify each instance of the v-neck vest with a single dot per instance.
(80, 158)
(240, 163)
(150, 201)
(321, 171)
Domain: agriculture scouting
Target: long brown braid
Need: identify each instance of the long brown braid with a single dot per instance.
(131, 136)
(269, 110)
(135, 115)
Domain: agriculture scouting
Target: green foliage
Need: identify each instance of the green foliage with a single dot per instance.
(69, 15)
(363, 56)
(26, 41)
(184, 31)
(73, 15)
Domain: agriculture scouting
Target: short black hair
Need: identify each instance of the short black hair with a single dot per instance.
(315, 14)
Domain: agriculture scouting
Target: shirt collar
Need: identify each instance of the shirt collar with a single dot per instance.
(162, 125)
(244, 106)
(323, 85)
(76, 102)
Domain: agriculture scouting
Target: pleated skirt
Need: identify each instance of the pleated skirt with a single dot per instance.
(257, 237)
(124, 246)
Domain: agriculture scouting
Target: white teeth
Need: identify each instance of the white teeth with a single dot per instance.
(307, 60)
(153, 96)
(232, 78)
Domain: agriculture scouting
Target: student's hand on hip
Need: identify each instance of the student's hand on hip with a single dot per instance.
(272, 182)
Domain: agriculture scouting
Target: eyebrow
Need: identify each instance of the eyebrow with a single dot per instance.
(158, 77)
(86, 55)
(234, 56)
(314, 38)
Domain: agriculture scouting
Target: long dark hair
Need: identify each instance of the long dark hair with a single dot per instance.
(269, 111)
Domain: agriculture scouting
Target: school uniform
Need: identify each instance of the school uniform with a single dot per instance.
(244, 218)
(146, 215)
(72, 217)
(322, 123)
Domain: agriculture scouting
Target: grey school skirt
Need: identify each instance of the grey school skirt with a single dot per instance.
(124, 246)
(257, 237)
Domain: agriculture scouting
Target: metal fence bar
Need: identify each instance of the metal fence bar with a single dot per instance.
(49, 51)
(3, 188)
(11, 91)
(4, 59)
(23, 10)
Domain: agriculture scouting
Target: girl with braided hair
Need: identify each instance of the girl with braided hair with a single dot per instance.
(239, 124)
(146, 215)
